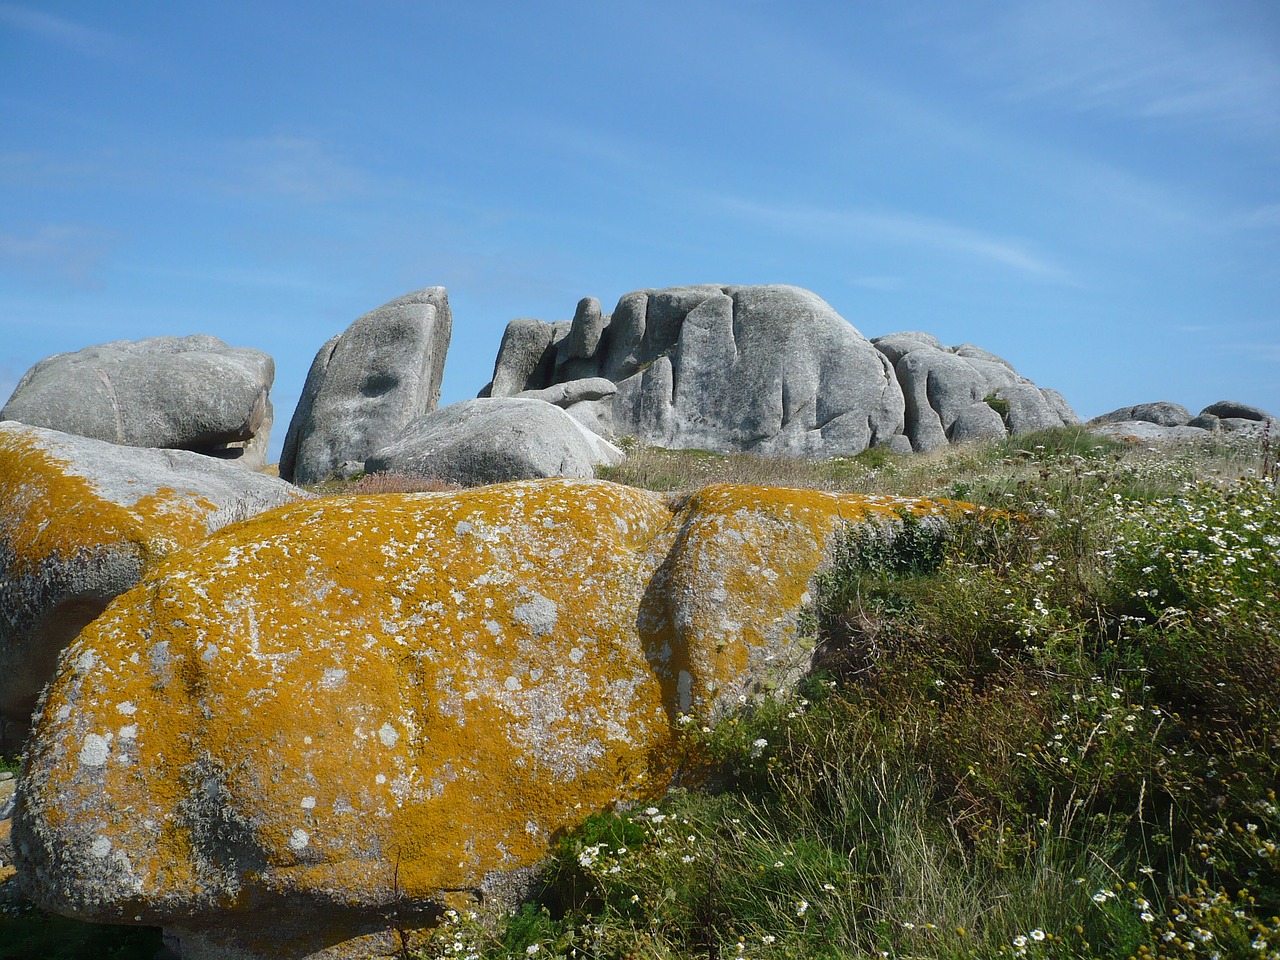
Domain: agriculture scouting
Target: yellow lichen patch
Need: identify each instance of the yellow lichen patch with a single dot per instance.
(726, 598)
(49, 511)
(374, 696)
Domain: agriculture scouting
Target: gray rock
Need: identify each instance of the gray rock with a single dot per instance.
(771, 370)
(80, 521)
(492, 440)
(1162, 412)
(574, 391)
(1230, 409)
(952, 397)
(367, 384)
(526, 357)
(576, 354)
(897, 345)
(1206, 421)
(971, 352)
(1146, 430)
(185, 393)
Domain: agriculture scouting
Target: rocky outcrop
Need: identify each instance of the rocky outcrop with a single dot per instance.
(336, 718)
(81, 521)
(1171, 421)
(183, 393)
(366, 384)
(771, 370)
(966, 393)
(492, 440)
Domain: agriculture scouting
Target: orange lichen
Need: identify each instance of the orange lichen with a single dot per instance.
(390, 696)
(52, 512)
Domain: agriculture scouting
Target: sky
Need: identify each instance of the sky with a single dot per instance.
(1090, 189)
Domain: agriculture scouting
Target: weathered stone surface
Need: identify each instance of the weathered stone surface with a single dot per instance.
(1146, 430)
(1161, 412)
(1231, 409)
(80, 521)
(967, 394)
(897, 345)
(491, 440)
(365, 385)
(574, 391)
(526, 356)
(184, 393)
(362, 707)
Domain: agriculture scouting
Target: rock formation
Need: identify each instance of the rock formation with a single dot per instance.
(965, 393)
(339, 717)
(771, 370)
(183, 393)
(494, 440)
(366, 384)
(1171, 421)
(80, 522)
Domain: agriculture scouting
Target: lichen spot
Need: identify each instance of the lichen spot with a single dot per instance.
(94, 750)
(388, 735)
(127, 708)
(308, 803)
(576, 655)
(100, 847)
(539, 615)
(298, 840)
(332, 679)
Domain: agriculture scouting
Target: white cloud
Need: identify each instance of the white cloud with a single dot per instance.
(296, 167)
(62, 251)
(62, 32)
(902, 230)
(1131, 59)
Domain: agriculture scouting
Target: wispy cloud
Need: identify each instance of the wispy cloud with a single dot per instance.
(66, 252)
(902, 230)
(300, 168)
(68, 34)
(1130, 58)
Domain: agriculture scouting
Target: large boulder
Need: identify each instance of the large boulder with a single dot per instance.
(772, 370)
(965, 393)
(81, 521)
(366, 384)
(492, 440)
(183, 393)
(311, 732)
(1161, 413)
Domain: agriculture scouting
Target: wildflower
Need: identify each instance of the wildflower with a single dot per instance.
(802, 907)
(1037, 934)
(532, 949)
(1019, 941)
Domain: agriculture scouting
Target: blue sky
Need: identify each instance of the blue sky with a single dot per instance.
(1090, 189)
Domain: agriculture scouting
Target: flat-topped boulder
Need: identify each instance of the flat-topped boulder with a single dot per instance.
(1171, 421)
(182, 393)
(81, 520)
(320, 727)
(366, 384)
(494, 440)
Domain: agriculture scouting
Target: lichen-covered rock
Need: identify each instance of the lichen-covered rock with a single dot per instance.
(80, 521)
(494, 440)
(183, 393)
(366, 384)
(331, 719)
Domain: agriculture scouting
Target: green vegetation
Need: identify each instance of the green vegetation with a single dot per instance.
(28, 934)
(1051, 736)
